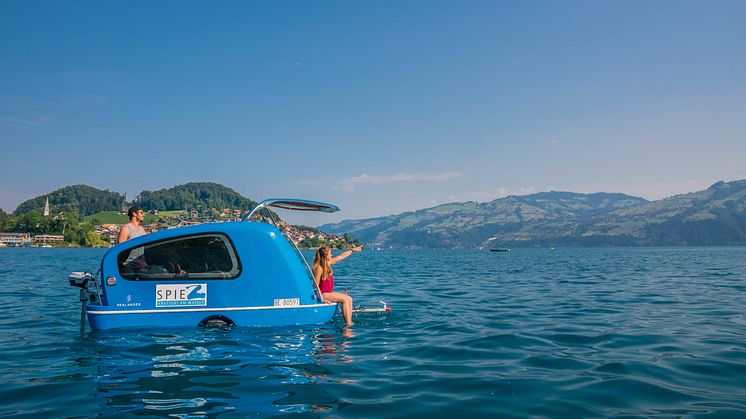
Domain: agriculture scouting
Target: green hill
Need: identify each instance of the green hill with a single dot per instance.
(107, 217)
(192, 196)
(80, 199)
(87, 201)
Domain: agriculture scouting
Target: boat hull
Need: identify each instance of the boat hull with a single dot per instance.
(102, 317)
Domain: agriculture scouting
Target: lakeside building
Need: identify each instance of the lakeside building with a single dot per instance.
(186, 223)
(15, 239)
(109, 232)
(48, 238)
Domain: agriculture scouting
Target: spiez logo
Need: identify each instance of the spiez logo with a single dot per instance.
(173, 295)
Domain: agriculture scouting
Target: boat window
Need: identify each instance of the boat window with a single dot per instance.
(205, 256)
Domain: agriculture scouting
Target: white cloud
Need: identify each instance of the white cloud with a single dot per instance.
(365, 179)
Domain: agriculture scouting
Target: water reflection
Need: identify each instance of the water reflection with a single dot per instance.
(331, 348)
(205, 373)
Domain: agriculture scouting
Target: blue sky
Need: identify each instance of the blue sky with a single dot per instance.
(379, 107)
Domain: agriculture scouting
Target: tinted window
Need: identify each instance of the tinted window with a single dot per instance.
(205, 256)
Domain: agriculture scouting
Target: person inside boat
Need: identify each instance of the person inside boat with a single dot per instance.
(133, 228)
(323, 274)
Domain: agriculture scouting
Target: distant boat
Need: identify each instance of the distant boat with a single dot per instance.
(499, 249)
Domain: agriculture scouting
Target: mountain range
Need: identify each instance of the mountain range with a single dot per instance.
(715, 216)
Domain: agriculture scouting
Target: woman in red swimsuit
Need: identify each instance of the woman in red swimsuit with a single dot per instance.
(323, 274)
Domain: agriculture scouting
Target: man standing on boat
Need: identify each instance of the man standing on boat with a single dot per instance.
(133, 228)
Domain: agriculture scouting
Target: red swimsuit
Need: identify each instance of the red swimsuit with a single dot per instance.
(327, 285)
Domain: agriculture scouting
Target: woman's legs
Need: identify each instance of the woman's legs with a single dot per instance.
(345, 300)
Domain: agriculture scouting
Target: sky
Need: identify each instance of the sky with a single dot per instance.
(378, 107)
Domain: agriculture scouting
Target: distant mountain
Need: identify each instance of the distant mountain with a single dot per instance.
(83, 199)
(716, 216)
(194, 195)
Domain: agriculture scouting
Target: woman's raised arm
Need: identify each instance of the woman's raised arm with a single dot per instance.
(345, 254)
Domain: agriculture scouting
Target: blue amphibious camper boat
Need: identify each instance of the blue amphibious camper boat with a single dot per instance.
(233, 273)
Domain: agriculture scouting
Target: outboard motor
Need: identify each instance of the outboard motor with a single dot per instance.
(84, 280)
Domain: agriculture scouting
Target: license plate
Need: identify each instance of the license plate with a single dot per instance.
(287, 302)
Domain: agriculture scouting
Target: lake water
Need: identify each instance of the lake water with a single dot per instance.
(653, 332)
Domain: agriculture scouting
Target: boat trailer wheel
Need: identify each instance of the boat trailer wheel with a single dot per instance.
(216, 321)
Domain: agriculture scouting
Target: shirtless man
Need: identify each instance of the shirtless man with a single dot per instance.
(133, 228)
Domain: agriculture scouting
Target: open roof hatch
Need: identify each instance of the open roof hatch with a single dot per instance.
(293, 205)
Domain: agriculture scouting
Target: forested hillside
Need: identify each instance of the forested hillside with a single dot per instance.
(714, 216)
(192, 196)
(79, 199)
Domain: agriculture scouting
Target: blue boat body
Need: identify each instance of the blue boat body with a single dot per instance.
(263, 281)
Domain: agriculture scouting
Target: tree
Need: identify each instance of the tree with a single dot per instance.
(310, 243)
(94, 239)
(30, 222)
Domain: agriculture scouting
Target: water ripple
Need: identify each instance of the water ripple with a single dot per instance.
(532, 333)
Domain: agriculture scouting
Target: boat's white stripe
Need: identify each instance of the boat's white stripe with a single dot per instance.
(187, 310)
